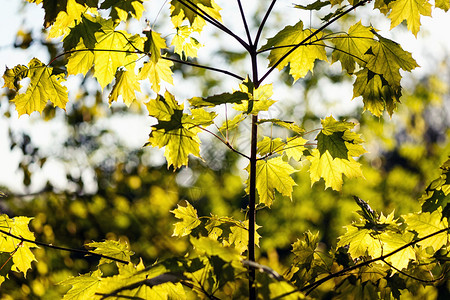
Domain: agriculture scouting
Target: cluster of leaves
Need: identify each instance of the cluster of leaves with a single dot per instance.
(388, 249)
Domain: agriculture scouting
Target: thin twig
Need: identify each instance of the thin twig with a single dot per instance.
(226, 143)
(263, 22)
(85, 252)
(244, 20)
(305, 40)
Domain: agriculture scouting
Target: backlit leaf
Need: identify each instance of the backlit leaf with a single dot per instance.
(426, 223)
(392, 241)
(121, 9)
(67, 18)
(116, 249)
(157, 72)
(83, 286)
(443, 4)
(301, 61)
(43, 87)
(409, 10)
(188, 217)
(219, 99)
(273, 174)
(126, 85)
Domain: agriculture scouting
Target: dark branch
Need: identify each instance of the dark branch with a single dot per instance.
(85, 252)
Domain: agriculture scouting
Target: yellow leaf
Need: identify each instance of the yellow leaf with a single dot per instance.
(157, 72)
(361, 242)
(301, 61)
(426, 223)
(43, 87)
(409, 10)
(188, 217)
(80, 61)
(67, 18)
(443, 4)
(126, 86)
(393, 241)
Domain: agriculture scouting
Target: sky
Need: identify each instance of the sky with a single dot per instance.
(429, 48)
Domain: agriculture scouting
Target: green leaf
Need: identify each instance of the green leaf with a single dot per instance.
(313, 6)
(83, 286)
(233, 123)
(85, 30)
(116, 249)
(157, 72)
(209, 6)
(126, 85)
(175, 130)
(301, 61)
(285, 124)
(336, 147)
(351, 47)
(259, 98)
(68, 17)
(188, 217)
(305, 248)
(43, 87)
(273, 174)
(409, 10)
(209, 247)
(386, 58)
(378, 95)
(426, 223)
(215, 100)
(295, 147)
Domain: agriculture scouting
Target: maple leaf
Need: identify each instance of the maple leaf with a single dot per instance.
(83, 286)
(426, 223)
(336, 147)
(121, 9)
(179, 10)
(114, 45)
(185, 45)
(13, 76)
(301, 61)
(80, 61)
(85, 30)
(258, 98)
(409, 10)
(392, 241)
(175, 130)
(294, 147)
(116, 249)
(154, 44)
(219, 99)
(126, 86)
(285, 124)
(188, 217)
(443, 4)
(386, 58)
(268, 145)
(43, 87)
(273, 174)
(305, 248)
(378, 95)
(157, 72)
(22, 256)
(67, 18)
(361, 242)
(351, 47)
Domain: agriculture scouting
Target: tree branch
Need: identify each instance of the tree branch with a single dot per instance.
(363, 2)
(263, 22)
(244, 20)
(85, 252)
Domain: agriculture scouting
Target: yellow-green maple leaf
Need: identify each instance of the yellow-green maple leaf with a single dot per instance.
(184, 44)
(116, 249)
(154, 44)
(409, 10)
(22, 256)
(126, 86)
(121, 9)
(386, 57)
(43, 87)
(175, 131)
(67, 18)
(258, 98)
(188, 217)
(361, 242)
(83, 286)
(157, 72)
(273, 174)
(301, 61)
(392, 241)
(180, 12)
(426, 223)
(80, 61)
(336, 147)
(111, 52)
(268, 145)
(294, 147)
(351, 47)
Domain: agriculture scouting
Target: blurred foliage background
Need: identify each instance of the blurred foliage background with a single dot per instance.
(116, 191)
